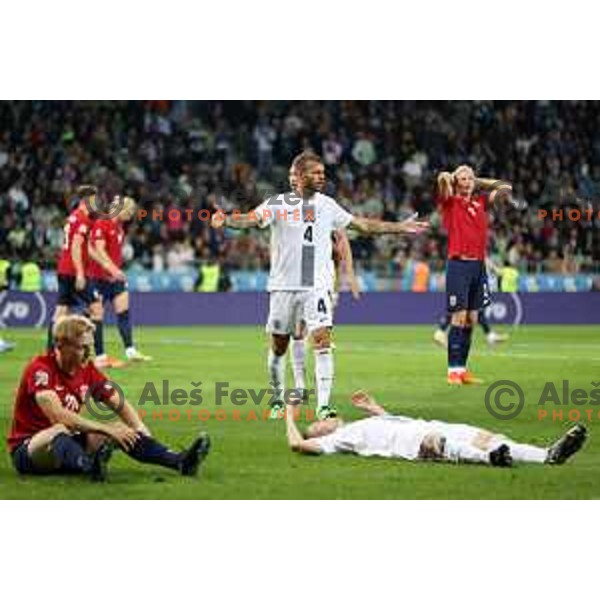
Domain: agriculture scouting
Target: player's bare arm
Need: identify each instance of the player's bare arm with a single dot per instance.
(97, 252)
(500, 189)
(126, 413)
(363, 401)
(76, 247)
(295, 440)
(493, 267)
(487, 183)
(345, 262)
(445, 184)
(50, 404)
(375, 226)
(235, 221)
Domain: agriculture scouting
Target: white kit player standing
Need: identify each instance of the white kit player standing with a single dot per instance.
(343, 265)
(302, 273)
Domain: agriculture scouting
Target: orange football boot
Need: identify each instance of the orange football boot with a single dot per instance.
(469, 379)
(455, 378)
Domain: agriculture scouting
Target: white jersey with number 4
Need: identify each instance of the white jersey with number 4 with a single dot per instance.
(301, 246)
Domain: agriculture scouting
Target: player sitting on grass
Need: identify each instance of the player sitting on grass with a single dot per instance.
(390, 436)
(49, 436)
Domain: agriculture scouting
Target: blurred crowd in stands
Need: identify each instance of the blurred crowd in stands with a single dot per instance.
(381, 159)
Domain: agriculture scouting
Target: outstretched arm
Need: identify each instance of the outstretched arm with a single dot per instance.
(375, 226)
(295, 440)
(366, 403)
(237, 220)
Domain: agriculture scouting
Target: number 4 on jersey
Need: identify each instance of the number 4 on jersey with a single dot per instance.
(308, 234)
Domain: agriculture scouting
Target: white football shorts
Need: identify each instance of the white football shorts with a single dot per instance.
(288, 308)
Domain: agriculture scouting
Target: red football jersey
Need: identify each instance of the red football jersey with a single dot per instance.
(77, 223)
(111, 232)
(466, 223)
(41, 374)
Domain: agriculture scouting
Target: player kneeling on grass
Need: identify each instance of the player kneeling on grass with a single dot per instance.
(49, 436)
(391, 436)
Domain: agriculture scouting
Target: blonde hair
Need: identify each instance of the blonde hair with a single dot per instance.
(462, 168)
(129, 204)
(301, 161)
(72, 328)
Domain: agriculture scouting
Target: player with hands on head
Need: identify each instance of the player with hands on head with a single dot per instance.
(463, 200)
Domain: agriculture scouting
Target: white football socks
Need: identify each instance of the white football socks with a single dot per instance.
(323, 375)
(297, 354)
(276, 365)
(463, 452)
(526, 453)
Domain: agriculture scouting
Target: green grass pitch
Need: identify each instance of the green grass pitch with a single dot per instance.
(399, 365)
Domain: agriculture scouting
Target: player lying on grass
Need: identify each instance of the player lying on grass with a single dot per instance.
(301, 276)
(390, 436)
(49, 436)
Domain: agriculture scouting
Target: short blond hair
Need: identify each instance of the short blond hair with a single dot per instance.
(129, 204)
(302, 160)
(462, 168)
(72, 328)
(126, 203)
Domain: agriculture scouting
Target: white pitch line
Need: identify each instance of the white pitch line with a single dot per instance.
(401, 349)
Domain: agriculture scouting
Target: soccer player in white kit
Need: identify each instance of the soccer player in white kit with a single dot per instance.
(344, 269)
(394, 436)
(301, 277)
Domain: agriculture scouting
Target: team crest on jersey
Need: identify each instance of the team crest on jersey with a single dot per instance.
(452, 300)
(472, 208)
(40, 378)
